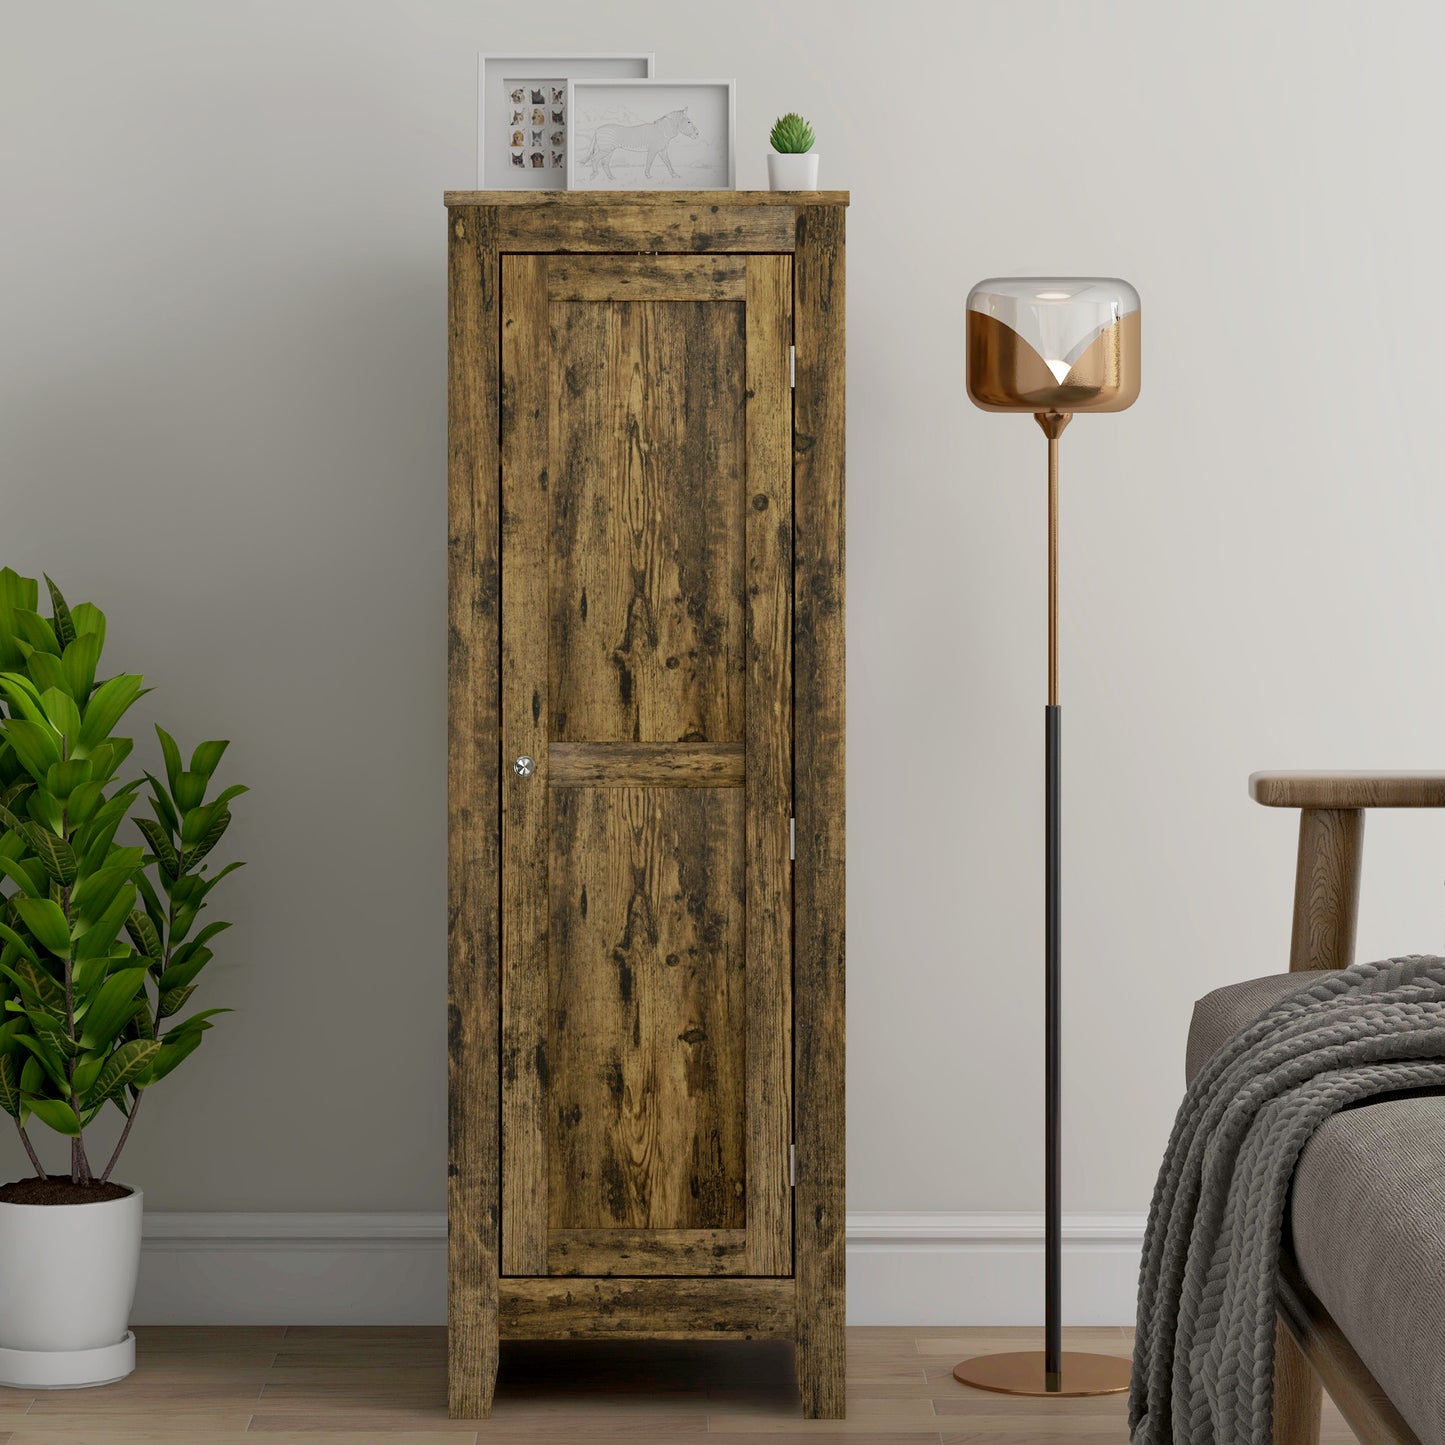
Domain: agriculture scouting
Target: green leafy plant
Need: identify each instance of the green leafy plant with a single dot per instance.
(791, 135)
(97, 951)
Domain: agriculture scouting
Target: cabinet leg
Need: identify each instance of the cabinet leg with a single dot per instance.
(1296, 1393)
(471, 1370)
(822, 1366)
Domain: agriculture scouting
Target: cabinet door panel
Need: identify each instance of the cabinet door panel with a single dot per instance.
(648, 453)
(646, 890)
(646, 1057)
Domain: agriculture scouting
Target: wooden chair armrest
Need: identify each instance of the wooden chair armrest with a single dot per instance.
(1348, 790)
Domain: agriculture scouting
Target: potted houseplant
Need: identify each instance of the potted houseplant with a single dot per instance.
(99, 955)
(792, 166)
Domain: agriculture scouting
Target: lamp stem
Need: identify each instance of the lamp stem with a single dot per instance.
(1053, 571)
(1053, 424)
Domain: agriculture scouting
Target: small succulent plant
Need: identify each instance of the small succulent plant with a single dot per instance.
(791, 135)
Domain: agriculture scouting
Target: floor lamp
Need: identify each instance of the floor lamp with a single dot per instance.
(1052, 346)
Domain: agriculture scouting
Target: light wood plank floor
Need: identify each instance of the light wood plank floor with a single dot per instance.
(324, 1386)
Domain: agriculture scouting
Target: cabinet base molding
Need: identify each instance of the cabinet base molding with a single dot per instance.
(652, 1309)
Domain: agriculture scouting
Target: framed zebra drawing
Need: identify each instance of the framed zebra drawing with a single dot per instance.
(650, 135)
(522, 114)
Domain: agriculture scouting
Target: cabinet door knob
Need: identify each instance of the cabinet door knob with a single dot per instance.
(524, 766)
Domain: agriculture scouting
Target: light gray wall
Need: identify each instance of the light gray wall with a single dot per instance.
(223, 393)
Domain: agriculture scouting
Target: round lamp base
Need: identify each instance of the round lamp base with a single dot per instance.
(1022, 1373)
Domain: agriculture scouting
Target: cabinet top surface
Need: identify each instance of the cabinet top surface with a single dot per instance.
(584, 199)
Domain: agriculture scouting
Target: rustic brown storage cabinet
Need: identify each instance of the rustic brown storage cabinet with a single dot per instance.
(646, 718)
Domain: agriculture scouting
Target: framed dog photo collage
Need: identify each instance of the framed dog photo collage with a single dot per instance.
(523, 125)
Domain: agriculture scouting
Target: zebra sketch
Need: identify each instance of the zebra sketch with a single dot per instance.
(654, 138)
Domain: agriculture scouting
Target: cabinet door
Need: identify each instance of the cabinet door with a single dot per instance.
(647, 675)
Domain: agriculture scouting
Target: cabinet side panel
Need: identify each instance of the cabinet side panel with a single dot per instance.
(474, 842)
(818, 879)
(769, 720)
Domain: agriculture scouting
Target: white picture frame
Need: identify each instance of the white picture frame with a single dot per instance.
(699, 155)
(498, 76)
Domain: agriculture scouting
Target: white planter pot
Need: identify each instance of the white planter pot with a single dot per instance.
(793, 173)
(67, 1282)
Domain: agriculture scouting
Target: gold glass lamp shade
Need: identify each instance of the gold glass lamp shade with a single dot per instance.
(1053, 344)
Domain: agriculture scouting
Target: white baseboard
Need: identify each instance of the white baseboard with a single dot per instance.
(903, 1269)
(293, 1269)
(988, 1269)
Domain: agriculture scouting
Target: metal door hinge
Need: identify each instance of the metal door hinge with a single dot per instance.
(792, 1166)
(792, 366)
(792, 839)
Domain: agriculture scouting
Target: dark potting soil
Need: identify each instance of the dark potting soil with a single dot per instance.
(59, 1191)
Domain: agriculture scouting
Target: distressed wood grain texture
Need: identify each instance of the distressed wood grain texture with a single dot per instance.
(525, 730)
(474, 846)
(648, 765)
(646, 1251)
(667, 1080)
(1326, 888)
(820, 805)
(632, 227)
(621, 226)
(768, 510)
(648, 454)
(647, 1096)
(648, 278)
(643, 221)
(657, 1309)
(669, 535)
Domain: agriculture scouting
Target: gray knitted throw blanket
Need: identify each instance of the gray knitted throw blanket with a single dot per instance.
(1204, 1353)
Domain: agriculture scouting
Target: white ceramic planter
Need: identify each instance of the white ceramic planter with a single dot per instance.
(793, 172)
(67, 1283)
